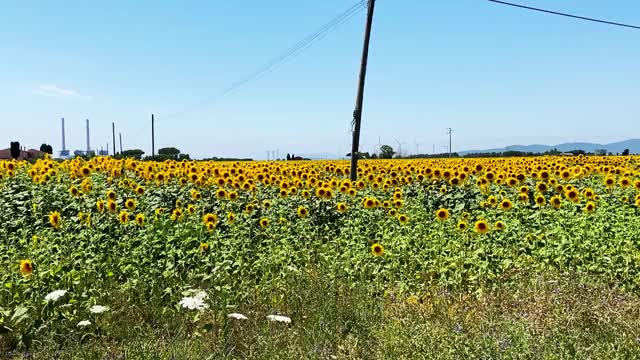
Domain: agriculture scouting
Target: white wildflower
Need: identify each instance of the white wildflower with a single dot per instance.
(98, 309)
(279, 318)
(193, 303)
(84, 323)
(237, 316)
(55, 295)
(292, 268)
(200, 295)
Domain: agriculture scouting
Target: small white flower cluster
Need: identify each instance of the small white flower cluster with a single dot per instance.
(98, 309)
(55, 295)
(195, 302)
(279, 318)
(84, 323)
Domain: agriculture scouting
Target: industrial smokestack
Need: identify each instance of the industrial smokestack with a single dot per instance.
(64, 144)
(88, 144)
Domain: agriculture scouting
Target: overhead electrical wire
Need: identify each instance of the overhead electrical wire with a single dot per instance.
(565, 14)
(284, 57)
(273, 64)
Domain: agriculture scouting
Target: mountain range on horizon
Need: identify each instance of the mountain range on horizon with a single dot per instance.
(617, 147)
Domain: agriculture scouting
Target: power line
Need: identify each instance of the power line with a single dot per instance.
(566, 15)
(273, 64)
(287, 55)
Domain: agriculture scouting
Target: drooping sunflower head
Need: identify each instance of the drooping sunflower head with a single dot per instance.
(26, 267)
(377, 249)
(176, 214)
(100, 205)
(556, 201)
(123, 217)
(55, 219)
(112, 206)
(140, 220)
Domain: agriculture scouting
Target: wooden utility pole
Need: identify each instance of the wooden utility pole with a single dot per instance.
(120, 136)
(153, 137)
(113, 130)
(357, 113)
(449, 130)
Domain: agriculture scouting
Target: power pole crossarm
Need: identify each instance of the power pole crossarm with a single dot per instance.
(357, 113)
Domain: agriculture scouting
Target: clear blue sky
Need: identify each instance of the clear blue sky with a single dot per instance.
(495, 74)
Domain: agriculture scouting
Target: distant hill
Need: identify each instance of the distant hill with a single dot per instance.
(617, 147)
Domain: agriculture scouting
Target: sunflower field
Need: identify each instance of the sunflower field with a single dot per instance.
(102, 230)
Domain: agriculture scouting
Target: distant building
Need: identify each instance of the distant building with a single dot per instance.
(5, 154)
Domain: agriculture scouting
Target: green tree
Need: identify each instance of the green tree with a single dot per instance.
(386, 152)
(45, 148)
(169, 151)
(15, 149)
(133, 153)
(625, 152)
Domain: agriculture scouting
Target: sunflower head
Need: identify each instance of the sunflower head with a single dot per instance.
(462, 225)
(140, 220)
(481, 227)
(442, 214)
(123, 217)
(403, 219)
(264, 223)
(26, 267)
(342, 207)
(130, 204)
(377, 249)
(499, 225)
(506, 205)
(55, 219)
(303, 211)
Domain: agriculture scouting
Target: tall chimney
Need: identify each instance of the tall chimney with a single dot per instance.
(88, 144)
(64, 145)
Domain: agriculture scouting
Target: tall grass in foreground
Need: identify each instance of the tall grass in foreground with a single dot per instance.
(555, 317)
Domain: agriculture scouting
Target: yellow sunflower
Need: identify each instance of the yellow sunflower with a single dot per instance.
(26, 267)
(442, 214)
(481, 227)
(377, 249)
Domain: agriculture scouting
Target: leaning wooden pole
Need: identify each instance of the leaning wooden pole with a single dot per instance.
(357, 113)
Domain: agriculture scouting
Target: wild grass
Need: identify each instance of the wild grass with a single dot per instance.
(538, 317)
